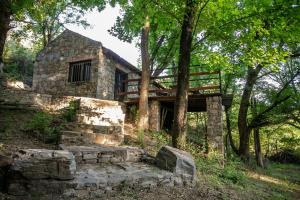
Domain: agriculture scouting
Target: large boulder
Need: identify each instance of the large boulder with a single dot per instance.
(32, 164)
(179, 162)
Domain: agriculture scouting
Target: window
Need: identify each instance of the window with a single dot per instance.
(80, 71)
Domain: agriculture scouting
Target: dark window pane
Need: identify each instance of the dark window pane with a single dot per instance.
(80, 71)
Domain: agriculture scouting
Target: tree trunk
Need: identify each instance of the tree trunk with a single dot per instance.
(229, 133)
(244, 131)
(180, 108)
(257, 146)
(143, 123)
(5, 14)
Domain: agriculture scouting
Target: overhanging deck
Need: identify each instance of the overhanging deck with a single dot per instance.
(196, 102)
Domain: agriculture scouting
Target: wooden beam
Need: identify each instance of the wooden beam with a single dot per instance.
(208, 87)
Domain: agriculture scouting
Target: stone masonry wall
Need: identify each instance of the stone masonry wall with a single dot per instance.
(215, 124)
(106, 74)
(51, 69)
(104, 116)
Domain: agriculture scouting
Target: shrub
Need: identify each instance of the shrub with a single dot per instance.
(231, 172)
(45, 127)
(69, 114)
(287, 156)
(141, 138)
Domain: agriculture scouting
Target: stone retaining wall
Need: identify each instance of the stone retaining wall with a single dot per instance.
(65, 175)
(105, 117)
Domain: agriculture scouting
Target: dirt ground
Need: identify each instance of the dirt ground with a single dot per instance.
(12, 134)
(275, 184)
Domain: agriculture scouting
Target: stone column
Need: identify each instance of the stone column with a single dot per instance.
(154, 115)
(215, 124)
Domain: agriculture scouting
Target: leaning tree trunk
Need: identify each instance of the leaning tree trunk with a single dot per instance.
(5, 14)
(180, 109)
(244, 131)
(143, 122)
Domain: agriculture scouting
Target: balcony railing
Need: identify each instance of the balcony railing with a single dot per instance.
(165, 84)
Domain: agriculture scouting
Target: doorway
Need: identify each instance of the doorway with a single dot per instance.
(120, 86)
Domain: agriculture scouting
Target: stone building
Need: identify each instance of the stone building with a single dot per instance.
(74, 65)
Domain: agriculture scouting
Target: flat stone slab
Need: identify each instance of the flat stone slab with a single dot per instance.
(98, 178)
(108, 176)
(101, 154)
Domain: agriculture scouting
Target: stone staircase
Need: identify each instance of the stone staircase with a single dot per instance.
(88, 172)
(97, 122)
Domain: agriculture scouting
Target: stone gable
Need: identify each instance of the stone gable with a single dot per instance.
(51, 69)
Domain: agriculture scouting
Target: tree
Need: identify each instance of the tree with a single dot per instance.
(8, 10)
(47, 18)
(254, 41)
(42, 18)
(155, 43)
(179, 128)
(143, 122)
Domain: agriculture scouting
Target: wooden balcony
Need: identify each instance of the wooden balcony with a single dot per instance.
(163, 89)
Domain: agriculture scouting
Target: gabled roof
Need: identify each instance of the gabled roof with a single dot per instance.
(109, 53)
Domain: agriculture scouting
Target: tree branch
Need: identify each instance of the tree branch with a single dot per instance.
(158, 46)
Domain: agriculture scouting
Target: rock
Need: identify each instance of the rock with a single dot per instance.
(5, 161)
(33, 164)
(179, 162)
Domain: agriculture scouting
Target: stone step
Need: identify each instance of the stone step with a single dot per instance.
(92, 134)
(112, 129)
(101, 109)
(102, 154)
(100, 119)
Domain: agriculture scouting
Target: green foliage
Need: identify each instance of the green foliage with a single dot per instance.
(45, 19)
(161, 137)
(141, 138)
(133, 113)
(69, 113)
(232, 172)
(45, 127)
(19, 61)
(12, 71)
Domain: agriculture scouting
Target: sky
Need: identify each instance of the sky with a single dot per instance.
(100, 23)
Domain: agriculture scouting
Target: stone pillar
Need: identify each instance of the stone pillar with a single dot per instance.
(154, 115)
(215, 124)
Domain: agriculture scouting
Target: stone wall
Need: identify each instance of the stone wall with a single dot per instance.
(215, 124)
(51, 69)
(106, 118)
(106, 74)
